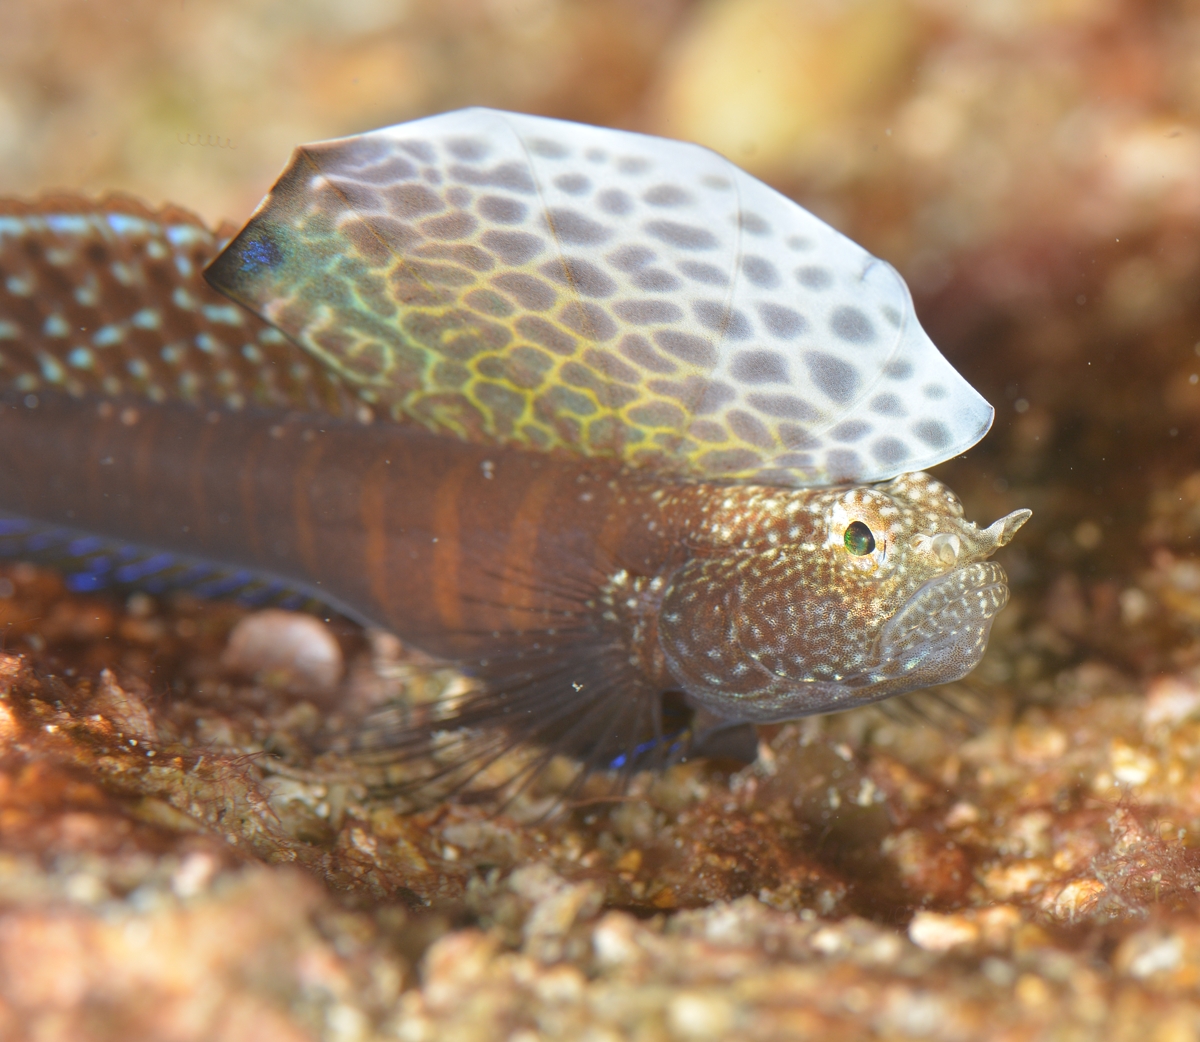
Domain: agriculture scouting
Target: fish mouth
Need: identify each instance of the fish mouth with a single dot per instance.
(940, 633)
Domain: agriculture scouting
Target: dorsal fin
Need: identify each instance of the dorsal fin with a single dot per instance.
(106, 297)
(528, 281)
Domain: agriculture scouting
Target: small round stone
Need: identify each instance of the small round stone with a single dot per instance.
(285, 649)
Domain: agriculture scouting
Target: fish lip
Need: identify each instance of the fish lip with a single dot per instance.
(948, 611)
(892, 668)
(919, 646)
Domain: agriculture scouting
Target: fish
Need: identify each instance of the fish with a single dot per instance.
(595, 416)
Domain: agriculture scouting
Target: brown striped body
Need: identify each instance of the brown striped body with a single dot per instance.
(441, 541)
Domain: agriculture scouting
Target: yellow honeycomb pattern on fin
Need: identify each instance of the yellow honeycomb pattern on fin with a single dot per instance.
(526, 281)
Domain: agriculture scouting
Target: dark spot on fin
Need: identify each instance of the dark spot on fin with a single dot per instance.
(236, 271)
(258, 253)
(250, 268)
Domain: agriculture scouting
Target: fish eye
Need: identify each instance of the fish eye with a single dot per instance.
(858, 539)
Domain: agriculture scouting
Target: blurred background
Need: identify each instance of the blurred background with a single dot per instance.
(1031, 166)
(927, 127)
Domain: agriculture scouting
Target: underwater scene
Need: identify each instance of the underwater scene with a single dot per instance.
(507, 578)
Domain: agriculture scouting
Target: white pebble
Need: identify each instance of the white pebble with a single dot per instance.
(285, 649)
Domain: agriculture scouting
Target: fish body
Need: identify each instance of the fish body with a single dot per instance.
(508, 458)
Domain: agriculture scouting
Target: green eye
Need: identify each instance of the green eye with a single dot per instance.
(859, 540)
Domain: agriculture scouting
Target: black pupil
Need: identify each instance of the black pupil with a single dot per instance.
(859, 540)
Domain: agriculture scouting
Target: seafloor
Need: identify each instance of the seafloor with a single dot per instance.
(175, 864)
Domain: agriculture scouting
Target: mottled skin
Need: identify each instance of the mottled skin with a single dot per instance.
(774, 618)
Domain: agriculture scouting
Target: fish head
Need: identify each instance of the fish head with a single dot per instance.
(834, 599)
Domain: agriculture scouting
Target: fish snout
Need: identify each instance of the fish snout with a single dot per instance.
(938, 636)
(1000, 533)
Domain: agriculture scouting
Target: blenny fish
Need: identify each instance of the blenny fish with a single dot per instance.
(595, 415)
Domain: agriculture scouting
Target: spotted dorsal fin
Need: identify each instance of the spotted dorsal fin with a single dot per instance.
(529, 281)
(105, 297)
